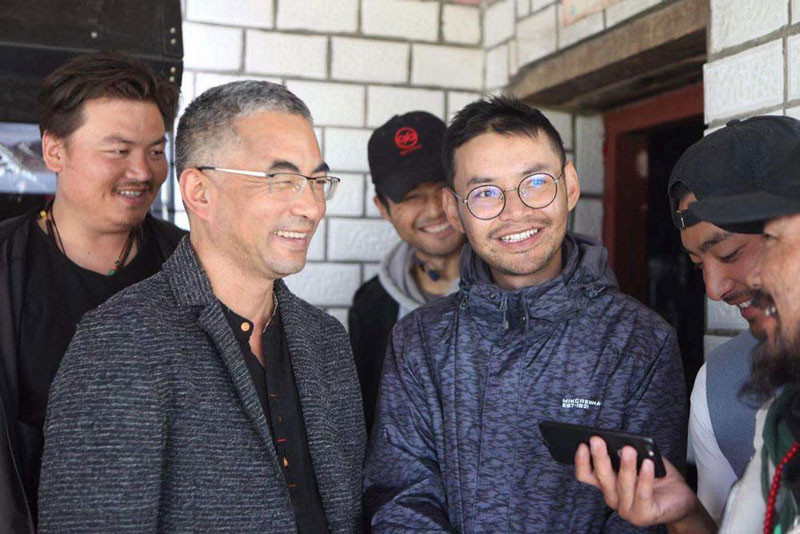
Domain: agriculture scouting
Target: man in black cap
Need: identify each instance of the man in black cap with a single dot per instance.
(765, 498)
(721, 425)
(406, 167)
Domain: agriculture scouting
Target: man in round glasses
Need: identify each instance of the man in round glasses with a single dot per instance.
(209, 397)
(538, 331)
(405, 161)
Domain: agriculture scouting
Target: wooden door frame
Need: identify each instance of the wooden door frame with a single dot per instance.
(667, 108)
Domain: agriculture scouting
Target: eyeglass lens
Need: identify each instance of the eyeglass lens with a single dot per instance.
(293, 184)
(536, 191)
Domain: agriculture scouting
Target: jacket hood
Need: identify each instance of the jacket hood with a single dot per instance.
(394, 279)
(585, 276)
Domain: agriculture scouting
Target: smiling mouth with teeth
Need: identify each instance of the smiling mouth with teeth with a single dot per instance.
(514, 238)
(132, 194)
(291, 235)
(746, 304)
(436, 229)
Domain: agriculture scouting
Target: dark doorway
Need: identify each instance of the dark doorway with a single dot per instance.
(644, 141)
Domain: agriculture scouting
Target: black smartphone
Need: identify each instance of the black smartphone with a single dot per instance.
(562, 441)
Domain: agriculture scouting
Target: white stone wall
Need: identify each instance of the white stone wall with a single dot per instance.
(358, 62)
(752, 69)
(518, 32)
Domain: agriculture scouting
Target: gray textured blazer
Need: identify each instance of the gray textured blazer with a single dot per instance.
(154, 424)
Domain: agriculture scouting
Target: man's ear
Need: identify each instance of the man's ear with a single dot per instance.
(572, 185)
(450, 204)
(197, 192)
(53, 151)
(381, 208)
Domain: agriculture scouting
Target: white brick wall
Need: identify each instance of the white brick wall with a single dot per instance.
(349, 197)
(793, 66)
(281, 53)
(589, 136)
(562, 122)
(211, 47)
(360, 239)
(326, 284)
(737, 21)
(498, 22)
(369, 61)
(316, 250)
(621, 11)
(743, 82)
(497, 67)
(406, 19)
(447, 66)
(569, 35)
(457, 100)
(589, 217)
(345, 149)
(332, 104)
(340, 16)
(523, 8)
(536, 36)
(461, 24)
(385, 102)
(252, 13)
(795, 11)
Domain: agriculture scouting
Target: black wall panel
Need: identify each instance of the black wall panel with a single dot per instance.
(36, 36)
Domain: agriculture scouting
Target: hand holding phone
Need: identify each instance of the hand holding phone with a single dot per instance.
(562, 440)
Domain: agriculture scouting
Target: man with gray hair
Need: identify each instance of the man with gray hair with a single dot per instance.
(209, 397)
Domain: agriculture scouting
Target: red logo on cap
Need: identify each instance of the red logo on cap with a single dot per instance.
(407, 140)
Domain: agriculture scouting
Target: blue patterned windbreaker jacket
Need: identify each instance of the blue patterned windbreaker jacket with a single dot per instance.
(456, 446)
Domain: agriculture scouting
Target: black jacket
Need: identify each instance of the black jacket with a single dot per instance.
(15, 514)
(370, 323)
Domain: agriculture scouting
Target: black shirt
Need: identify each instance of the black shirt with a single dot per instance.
(57, 294)
(277, 391)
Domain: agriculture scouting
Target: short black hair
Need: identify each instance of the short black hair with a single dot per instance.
(499, 114)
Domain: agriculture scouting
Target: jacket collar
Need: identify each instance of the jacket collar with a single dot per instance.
(584, 276)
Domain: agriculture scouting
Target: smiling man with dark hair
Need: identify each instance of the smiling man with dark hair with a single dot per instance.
(103, 119)
(538, 330)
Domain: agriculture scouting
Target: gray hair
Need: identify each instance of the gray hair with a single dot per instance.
(208, 122)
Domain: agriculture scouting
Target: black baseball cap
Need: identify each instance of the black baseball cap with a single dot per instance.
(759, 199)
(726, 165)
(406, 152)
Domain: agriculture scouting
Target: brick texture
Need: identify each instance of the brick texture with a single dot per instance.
(252, 13)
(211, 47)
(737, 21)
(404, 19)
(359, 239)
(280, 53)
(744, 82)
(326, 284)
(369, 61)
(536, 36)
(318, 15)
(461, 24)
(447, 66)
(331, 104)
(345, 149)
(385, 102)
(498, 23)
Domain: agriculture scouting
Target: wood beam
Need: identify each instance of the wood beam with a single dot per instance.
(611, 68)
